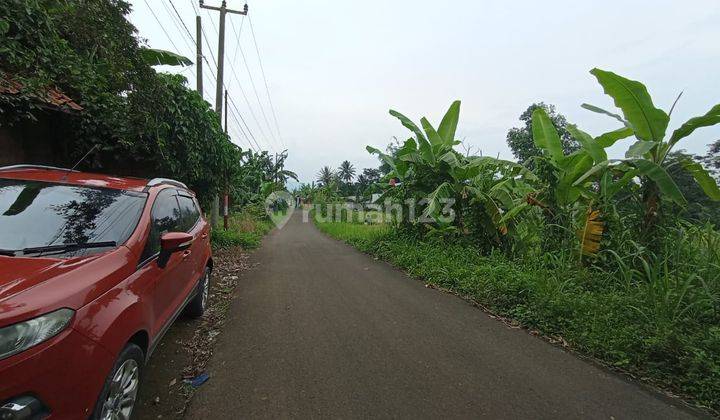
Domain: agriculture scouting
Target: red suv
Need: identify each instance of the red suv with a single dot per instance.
(93, 270)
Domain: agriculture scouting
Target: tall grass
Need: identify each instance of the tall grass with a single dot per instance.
(245, 229)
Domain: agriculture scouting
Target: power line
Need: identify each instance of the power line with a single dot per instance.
(242, 91)
(205, 38)
(177, 17)
(267, 89)
(232, 69)
(247, 139)
(238, 125)
(187, 34)
(247, 127)
(237, 37)
(233, 133)
(173, 19)
(249, 105)
(185, 38)
(257, 96)
(197, 11)
(187, 31)
(232, 103)
(237, 79)
(161, 26)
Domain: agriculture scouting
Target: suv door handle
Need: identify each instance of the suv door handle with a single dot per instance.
(186, 254)
(204, 235)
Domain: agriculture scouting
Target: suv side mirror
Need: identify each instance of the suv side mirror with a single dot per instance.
(170, 243)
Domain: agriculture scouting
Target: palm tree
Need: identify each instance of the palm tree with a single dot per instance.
(346, 171)
(325, 176)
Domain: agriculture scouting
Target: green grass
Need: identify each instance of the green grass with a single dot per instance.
(244, 229)
(649, 328)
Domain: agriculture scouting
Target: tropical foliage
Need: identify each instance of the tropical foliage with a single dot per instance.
(520, 139)
(135, 120)
(346, 172)
(258, 176)
(617, 256)
(467, 194)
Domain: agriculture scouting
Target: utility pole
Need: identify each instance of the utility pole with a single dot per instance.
(221, 48)
(220, 82)
(199, 58)
(226, 112)
(226, 199)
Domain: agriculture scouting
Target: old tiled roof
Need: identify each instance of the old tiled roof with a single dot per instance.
(52, 97)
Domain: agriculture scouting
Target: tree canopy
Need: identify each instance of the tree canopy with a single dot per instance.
(520, 139)
(89, 51)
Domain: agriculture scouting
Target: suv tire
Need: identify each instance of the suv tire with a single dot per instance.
(120, 392)
(197, 306)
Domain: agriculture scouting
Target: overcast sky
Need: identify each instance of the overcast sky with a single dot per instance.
(335, 67)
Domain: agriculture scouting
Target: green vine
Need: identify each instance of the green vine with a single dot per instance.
(144, 123)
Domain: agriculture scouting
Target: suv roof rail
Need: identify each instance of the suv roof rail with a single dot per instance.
(24, 166)
(159, 181)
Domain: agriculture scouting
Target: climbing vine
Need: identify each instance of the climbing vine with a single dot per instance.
(142, 122)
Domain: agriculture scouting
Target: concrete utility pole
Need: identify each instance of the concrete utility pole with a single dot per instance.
(226, 198)
(226, 112)
(220, 82)
(199, 57)
(221, 49)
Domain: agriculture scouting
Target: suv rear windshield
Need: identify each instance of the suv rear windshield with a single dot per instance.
(37, 214)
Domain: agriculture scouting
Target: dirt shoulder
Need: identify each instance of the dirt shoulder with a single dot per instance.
(186, 348)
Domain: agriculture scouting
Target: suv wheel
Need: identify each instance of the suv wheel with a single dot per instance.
(119, 394)
(196, 307)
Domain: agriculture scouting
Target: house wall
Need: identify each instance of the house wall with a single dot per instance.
(11, 151)
(31, 142)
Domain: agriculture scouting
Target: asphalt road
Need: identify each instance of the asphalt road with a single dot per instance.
(319, 330)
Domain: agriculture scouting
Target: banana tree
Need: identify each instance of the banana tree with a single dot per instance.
(646, 157)
(429, 169)
(573, 181)
(572, 191)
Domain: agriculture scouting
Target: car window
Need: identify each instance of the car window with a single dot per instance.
(40, 214)
(165, 217)
(189, 213)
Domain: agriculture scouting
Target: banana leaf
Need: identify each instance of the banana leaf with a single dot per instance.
(588, 143)
(703, 178)
(545, 135)
(636, 104)
(663, 180)
(608, 139)
(155, 57)
(449, 123)
(711, 118)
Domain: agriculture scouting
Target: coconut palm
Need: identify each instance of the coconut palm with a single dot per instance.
(325, 176)
(346, 172)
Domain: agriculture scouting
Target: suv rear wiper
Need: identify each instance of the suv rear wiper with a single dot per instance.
(66, 247)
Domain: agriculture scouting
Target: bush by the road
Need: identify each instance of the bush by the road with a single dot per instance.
(245, 229)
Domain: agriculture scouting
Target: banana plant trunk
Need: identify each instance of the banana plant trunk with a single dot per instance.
(651, 204)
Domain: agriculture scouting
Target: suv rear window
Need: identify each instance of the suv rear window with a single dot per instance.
(39, 214)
